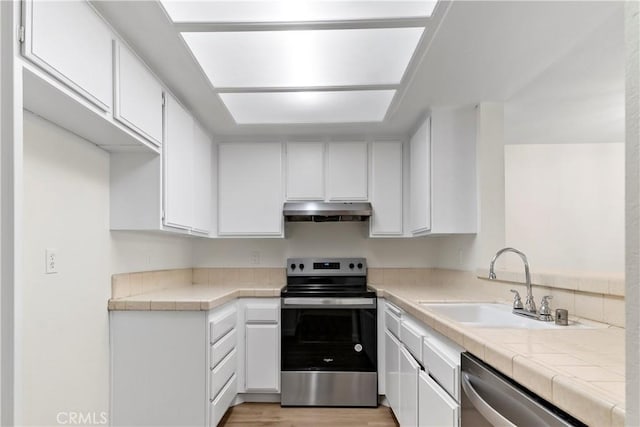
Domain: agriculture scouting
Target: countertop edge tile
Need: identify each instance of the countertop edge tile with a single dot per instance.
(585, 403)
(534, 376)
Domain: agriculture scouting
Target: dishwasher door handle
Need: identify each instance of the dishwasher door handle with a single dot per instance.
(486, 410)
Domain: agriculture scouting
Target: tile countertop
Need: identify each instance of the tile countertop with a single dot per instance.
(579, 370)
(193, 297)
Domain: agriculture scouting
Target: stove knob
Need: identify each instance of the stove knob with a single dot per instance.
(360, 265)
(293, 266)
(301, 266)
(351, 266)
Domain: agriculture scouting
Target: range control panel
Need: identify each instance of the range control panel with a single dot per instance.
(326, 267)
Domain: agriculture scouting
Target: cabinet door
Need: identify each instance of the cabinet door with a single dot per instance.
(386, 188)
(158, 369)
(347, 171)
(178, 166)
(69, 40)
(262, 357)
(409, 372)
(420, 179)
(392, 371)
(138, 95)
(250, 189)
(305, 171)
(436, 408)
(202, 194)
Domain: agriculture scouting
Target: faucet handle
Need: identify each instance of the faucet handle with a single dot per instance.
(517, 301)
(545, 308)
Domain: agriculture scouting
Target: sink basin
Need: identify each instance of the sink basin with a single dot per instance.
(491, 315)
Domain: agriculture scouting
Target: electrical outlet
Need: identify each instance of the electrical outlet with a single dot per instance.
(51, 260)
(255, 258)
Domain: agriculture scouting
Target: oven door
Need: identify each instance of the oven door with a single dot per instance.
(329, 334)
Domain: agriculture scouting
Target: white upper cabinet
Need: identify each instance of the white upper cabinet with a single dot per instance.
(386, 189)
(178, 166)
(305, 171)
(420, 179)
(202, 183)
(138, 95)
(347, 171)
(69, 40)
(443, 173)
(454, 193)
(250, 189)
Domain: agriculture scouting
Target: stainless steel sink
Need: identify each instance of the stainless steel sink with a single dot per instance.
(491, 315)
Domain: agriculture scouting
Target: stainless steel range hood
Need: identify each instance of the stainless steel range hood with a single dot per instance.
(326, 211)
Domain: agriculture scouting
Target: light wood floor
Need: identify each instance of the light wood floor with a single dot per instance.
(271, 414)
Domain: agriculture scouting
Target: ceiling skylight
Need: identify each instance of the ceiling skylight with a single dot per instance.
(308, 107)
(294, 10)
(308, 58)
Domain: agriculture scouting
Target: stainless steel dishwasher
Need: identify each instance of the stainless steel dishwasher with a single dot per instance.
(491, 399)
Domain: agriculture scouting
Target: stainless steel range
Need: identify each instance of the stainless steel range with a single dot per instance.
(329, 355)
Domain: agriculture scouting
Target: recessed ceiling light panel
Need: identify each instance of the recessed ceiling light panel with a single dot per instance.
(307, 58)
(294, 10)
(308, 107)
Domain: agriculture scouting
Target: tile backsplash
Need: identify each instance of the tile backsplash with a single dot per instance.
(599, 299)
(595, 298)
(131, 284)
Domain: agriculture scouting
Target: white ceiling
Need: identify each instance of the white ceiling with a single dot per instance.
(294, 10)
(473, 51)
(304, 58)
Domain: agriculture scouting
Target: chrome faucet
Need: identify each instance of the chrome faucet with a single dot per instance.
(529, 304)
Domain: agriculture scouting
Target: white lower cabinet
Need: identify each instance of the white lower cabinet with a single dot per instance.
(223, 360)
(435, 407)
(158, 368)
(223, 400)
(262, 357)
(392, 370)
(417, 396)
(409, 372)
(261, 345)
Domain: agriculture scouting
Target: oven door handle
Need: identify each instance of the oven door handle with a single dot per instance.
(329, 302)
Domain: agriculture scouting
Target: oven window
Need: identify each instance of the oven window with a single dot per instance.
(321, 339)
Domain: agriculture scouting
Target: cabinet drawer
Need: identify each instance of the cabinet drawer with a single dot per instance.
(411, 336)
(219, 406)
(262, 312)
(222, 347)
(443, 364)
(392, 322)
(222, 372)
(222, 323)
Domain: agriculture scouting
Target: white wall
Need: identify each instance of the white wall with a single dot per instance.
(565, 206)
(143, 251)
(632, 209)
(64, 351)
(316, 239)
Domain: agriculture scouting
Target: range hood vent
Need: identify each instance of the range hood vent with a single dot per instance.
(326, 212)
